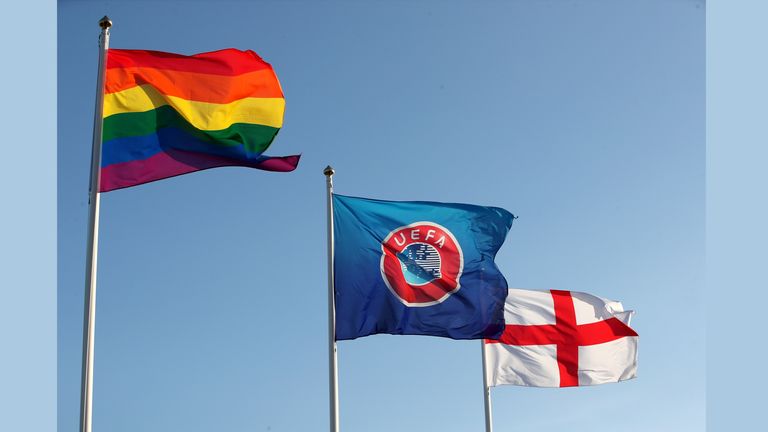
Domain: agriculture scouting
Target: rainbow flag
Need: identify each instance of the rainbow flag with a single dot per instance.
(169, 114)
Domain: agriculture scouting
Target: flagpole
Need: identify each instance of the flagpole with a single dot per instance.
(486, 392)
(89, 319)
(333, 382)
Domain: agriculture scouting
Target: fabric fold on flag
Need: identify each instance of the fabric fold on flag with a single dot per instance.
(167, 114)
(562, 339)
(418, 268)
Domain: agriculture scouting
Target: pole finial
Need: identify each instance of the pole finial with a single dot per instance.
(105, 22)
(329, 171)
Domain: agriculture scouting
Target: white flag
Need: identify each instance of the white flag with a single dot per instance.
(562, 339)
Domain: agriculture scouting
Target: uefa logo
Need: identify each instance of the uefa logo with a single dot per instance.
(421, 263)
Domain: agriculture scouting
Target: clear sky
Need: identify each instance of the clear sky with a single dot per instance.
(584, 118)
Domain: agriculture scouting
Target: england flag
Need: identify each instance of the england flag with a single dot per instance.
(561, 339)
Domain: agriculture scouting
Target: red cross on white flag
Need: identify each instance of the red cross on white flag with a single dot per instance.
(562, 339)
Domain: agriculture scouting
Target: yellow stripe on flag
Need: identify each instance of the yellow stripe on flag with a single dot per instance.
(202, 115)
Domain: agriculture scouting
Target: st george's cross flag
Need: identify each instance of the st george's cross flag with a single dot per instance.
(562, 339)
(418, 268)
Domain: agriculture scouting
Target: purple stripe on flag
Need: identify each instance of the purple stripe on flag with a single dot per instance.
(172, 163)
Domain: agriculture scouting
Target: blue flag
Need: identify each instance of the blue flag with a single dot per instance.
(418, 268)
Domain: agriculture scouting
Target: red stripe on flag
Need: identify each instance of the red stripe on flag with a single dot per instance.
(229, 61)
(603, 331)
(516, 334)
(568, 348)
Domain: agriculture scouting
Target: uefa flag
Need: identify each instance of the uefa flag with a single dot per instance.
(418, 268)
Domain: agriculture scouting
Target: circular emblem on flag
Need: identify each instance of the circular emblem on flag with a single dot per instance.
(421, 263)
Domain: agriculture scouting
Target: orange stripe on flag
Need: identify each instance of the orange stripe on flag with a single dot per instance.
(196, 86)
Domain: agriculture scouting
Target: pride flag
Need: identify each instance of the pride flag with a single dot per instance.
(168, 114)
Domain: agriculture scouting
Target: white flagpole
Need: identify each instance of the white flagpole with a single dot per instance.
(89, 320)
(486, 392)
(333, 382)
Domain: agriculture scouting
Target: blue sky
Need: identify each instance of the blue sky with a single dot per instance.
(584, 118)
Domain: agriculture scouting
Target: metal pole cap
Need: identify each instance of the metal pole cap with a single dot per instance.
(105, 22)
(329, 171)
